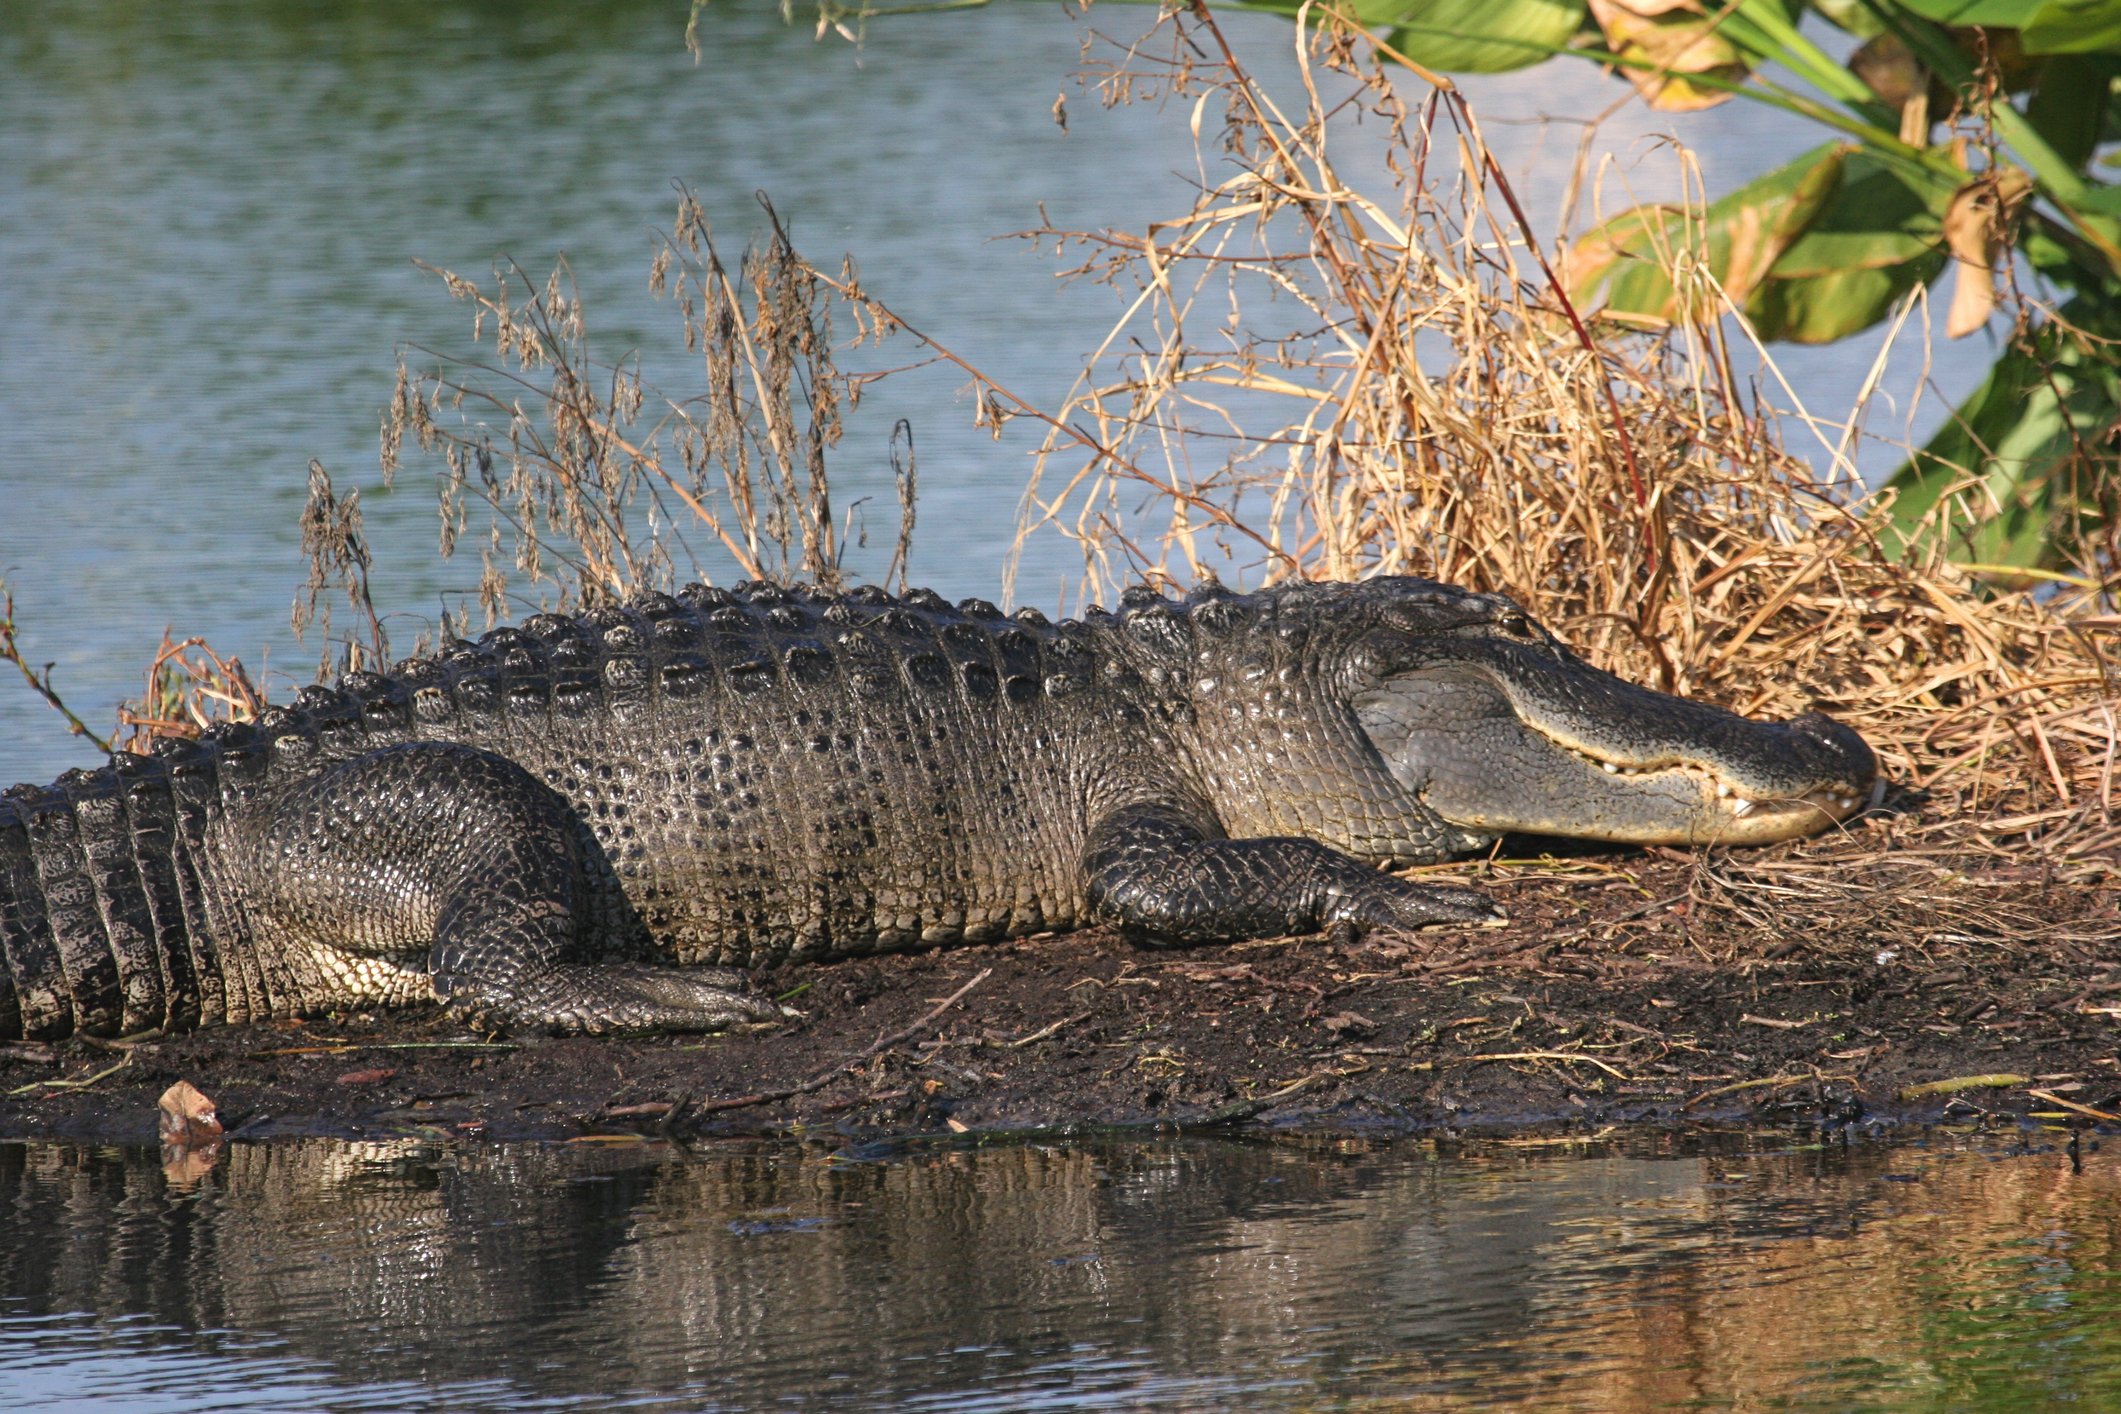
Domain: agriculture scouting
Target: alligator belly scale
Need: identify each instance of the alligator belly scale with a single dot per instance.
(596, 823)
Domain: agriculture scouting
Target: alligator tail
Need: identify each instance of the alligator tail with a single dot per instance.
(104, 927)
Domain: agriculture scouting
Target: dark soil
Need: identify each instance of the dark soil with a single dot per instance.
(1807, 982)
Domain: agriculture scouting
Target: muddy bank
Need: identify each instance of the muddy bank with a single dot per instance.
(1806, 981)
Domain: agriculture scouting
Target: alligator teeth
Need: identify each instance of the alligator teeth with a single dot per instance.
(1742, 807)
(1723, 790)
(1610, 768)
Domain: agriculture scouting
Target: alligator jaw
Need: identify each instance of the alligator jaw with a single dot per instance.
(1506, 745)
(1711, 808)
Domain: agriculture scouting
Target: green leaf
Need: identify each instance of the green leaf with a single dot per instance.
(2074, 27)
(2068, 106)
(1766, 30)
(1877, 237)
(1743, 236)
(1880, 215)
(1822, 308)
(1994, 14)
(1477, 36)
(2027, 495)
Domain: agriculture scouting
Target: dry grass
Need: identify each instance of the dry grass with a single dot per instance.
(189, 688)
(558, 453)
(1432, 404)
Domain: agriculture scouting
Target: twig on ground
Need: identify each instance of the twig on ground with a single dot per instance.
(1542, 1055)
(81, 1084)
(1041, 1035)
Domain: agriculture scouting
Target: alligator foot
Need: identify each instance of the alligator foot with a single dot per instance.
(604, 1001)
(1157, 874)
(1374, 901)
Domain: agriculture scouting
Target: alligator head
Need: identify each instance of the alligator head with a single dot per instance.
(1497, 727)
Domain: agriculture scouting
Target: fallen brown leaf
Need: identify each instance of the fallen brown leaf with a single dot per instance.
(187, 1117)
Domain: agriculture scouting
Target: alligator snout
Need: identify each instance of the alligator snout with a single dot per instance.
(1581, 753)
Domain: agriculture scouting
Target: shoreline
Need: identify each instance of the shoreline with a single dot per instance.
(1808, 982)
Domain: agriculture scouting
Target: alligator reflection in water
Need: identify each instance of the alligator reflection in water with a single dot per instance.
(1187, 1274)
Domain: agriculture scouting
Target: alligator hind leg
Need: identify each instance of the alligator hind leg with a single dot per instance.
(492, 965)
(1152, 871)
(464, 856)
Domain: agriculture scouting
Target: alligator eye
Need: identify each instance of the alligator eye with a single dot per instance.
(1514, 625)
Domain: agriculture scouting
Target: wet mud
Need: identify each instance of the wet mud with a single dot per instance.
(1826, 983)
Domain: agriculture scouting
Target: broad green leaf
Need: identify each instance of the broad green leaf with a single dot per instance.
(1878, 236)
(1880, 215)
(2074, 27)
(1822, 308)
(1480, 36)
(2068, 106)
(2014, 448)
(1993, 14)
(1742, 237)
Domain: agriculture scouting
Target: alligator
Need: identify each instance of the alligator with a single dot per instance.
(534, 828)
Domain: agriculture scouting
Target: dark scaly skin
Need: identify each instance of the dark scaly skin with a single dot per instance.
(534, 827)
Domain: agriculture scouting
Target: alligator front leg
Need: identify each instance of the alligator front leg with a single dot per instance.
(1153, 872)
(465, 856)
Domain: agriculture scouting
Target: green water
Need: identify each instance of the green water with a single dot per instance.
(1645, 1271)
